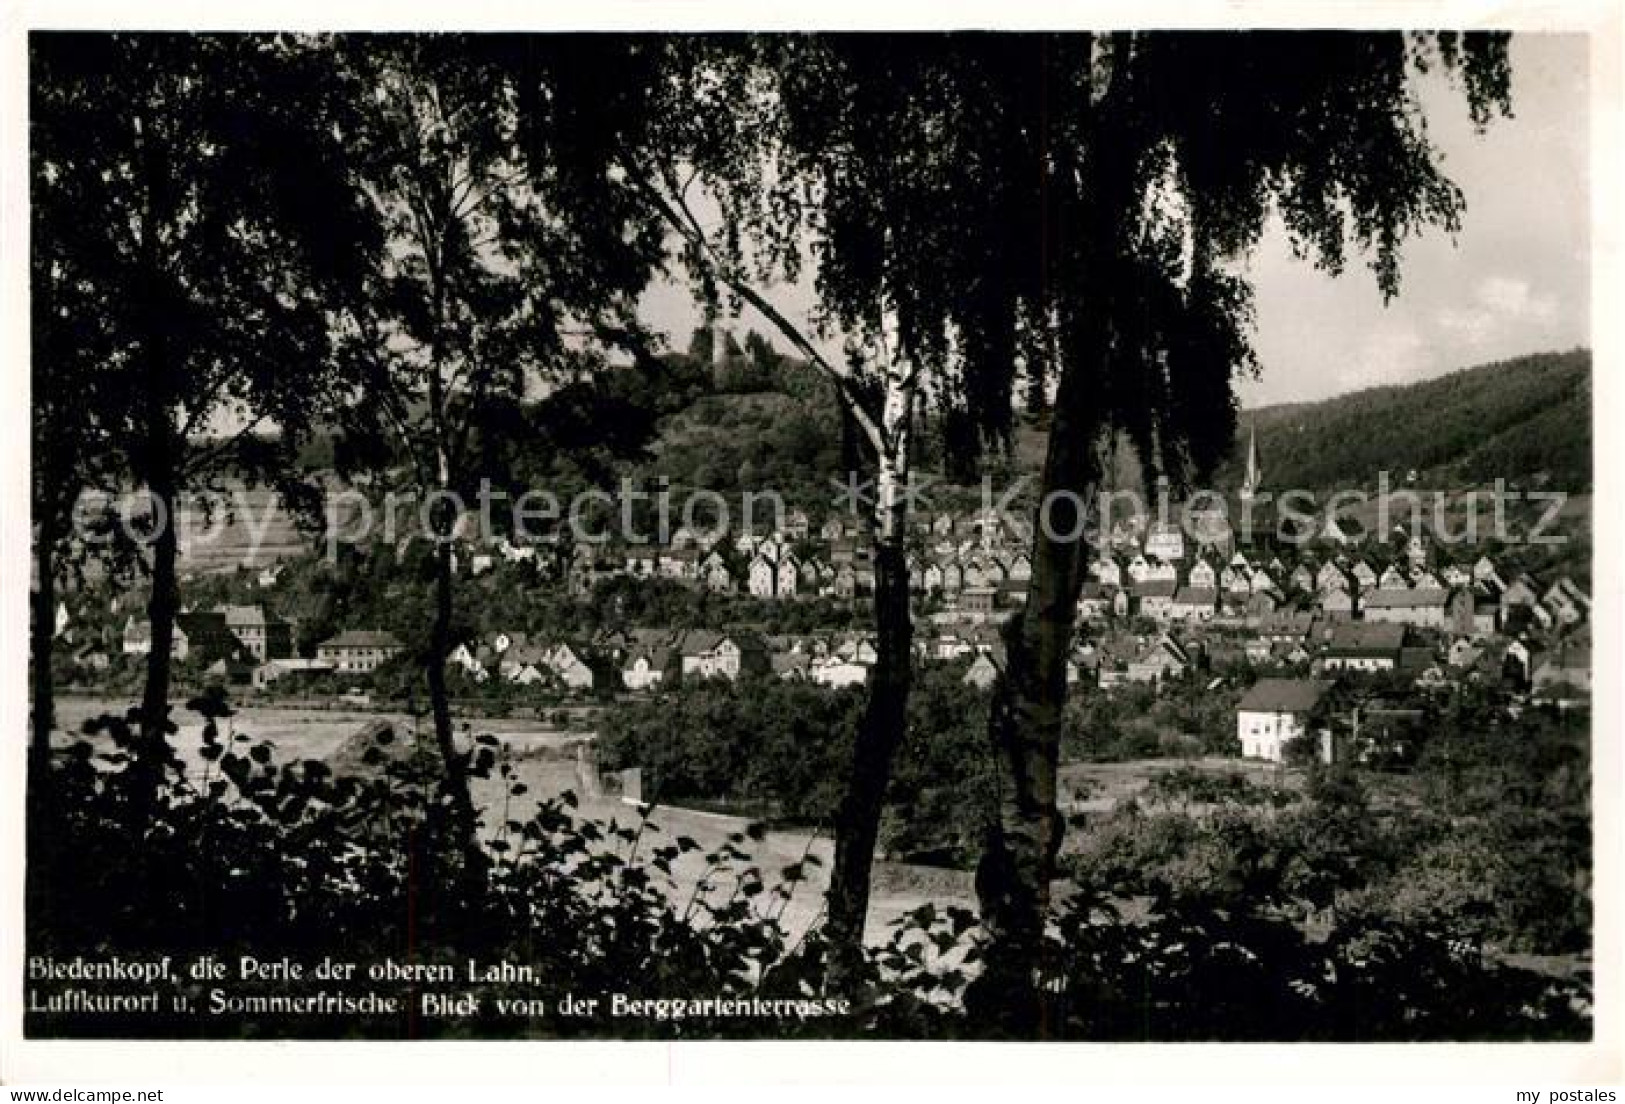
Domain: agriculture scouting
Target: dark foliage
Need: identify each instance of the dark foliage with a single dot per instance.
(1515, 421)
(249, 855)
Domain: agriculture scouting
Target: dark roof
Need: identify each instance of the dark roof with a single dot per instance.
(248, 616)
(524, 652)
(1156, 588)
(204, 627)
(657, 656)
(1275, 695)
(1165, 648)
(1406, 599)
(698, 640)
(1367, 636)
(745, 640)
(361, 638)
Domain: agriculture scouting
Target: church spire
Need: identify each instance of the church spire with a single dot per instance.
(1255, 474)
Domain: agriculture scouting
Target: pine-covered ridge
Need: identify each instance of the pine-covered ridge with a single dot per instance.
(1526, 420)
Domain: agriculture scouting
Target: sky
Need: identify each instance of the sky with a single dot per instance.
(1515, 280)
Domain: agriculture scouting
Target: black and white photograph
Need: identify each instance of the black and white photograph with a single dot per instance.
(1059, 534)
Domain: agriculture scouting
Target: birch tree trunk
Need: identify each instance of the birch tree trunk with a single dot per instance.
(161, 467)
(454, 764)
(885, 716)
(162, 606)
(1018, 863)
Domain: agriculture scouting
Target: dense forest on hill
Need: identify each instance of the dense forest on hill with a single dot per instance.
(763, 420)
(756, 419)
(1527, 421)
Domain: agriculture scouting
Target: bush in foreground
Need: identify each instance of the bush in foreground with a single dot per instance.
(256, 857)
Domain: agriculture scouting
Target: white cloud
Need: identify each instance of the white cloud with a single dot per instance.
(1501, 307)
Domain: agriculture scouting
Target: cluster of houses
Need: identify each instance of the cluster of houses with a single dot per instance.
(233, 633)
(1158, 605)
(1412, 588)
(1165, 573)
(249, 643)
(952, 555)
(646, 660)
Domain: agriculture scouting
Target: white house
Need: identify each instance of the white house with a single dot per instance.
(763, 576)
(714, 574)
(708, 654)
(1161, 572)
(1156, 599)
(833, 671)
(1423, 608)
(1020, 568)
(570, 666)
(1364, 646)
(1275, 712)
(983, 671)
(1165, 542)
(358, 650)
(1194, 603)
(463, 656)
(788, 575)
(1108, 572)
(1138, 568)
(1331, 577)
(646, 669)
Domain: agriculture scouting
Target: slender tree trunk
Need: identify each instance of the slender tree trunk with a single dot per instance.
(885, 716)
(1018, 863)
(163, 605)
(159, 465)
(41, 646)
(444, 524)
(452, 761)
(880, 731)
(48, 490)
(1024, 724)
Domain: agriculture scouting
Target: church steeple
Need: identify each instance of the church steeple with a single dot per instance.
(1255, 473)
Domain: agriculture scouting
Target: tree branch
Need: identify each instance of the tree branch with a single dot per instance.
(681, 218)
